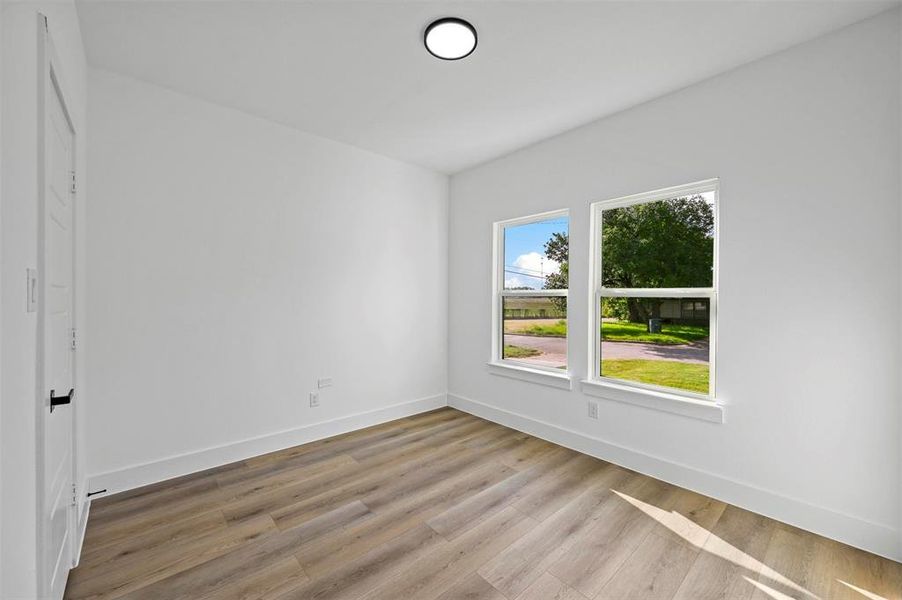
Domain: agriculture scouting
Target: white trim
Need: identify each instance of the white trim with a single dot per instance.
(656, 292)
(551, 377)
(551, 214)
(873, 537)
(81, 527)
(139, 475)
(697, 187)
(899, 425)
(650, 396)
(656, 399)
(539, 293)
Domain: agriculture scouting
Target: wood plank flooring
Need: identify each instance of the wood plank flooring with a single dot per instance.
(447, 506)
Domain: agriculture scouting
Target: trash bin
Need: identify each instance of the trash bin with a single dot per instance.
(654, 326)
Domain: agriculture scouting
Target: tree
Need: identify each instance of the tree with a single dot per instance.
(669, 243)
(557, 248)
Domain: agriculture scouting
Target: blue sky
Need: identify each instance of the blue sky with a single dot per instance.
(524, 252)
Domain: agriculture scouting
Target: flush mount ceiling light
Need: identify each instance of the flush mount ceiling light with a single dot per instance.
(450, 38)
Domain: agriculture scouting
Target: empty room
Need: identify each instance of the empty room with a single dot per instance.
(472, 300)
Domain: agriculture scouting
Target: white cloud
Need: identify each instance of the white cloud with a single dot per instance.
(531, 264)
(516, 282)
(537, 263)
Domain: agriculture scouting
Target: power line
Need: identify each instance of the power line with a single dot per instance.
(525, 270)
(525, 275)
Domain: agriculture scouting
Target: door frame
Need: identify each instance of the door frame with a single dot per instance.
(51, 80)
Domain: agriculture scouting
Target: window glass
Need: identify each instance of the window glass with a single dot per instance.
(660, 244)
(535, 330)
(657, 341)
(536, 255)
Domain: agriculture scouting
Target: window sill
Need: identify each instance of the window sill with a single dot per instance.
(705, 410)
(559, 380)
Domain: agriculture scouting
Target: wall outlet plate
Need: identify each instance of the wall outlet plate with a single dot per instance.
(314, 399)
(324, 382)
(593, 409)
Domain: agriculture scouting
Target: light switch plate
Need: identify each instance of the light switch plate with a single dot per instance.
(314, 399)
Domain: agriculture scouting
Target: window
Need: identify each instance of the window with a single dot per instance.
(531, 281)
(655, 281)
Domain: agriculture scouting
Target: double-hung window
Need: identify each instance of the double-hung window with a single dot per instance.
(530, 291)
(655, 290)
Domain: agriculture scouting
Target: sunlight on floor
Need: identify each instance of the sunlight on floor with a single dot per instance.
(863, 592)
(769, 591)
(705, 540)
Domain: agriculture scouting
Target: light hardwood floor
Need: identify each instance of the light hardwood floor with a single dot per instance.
(447, 506)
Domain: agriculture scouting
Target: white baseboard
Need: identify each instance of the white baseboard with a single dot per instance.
(848, 529)
(192, 462)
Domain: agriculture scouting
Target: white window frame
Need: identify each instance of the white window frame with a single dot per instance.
(648, 395)
(510, 367)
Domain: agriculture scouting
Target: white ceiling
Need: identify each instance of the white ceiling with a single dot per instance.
(357, 71)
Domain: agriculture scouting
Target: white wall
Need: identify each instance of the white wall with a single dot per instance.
(233, 262)
(18, 236)
(807, 147)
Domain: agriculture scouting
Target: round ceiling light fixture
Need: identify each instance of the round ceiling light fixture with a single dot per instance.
(450, 38)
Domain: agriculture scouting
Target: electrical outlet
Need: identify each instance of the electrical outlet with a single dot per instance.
(593, 410)
(324, 383)
(314, 399)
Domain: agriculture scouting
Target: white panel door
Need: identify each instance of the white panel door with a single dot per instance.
(58, 354)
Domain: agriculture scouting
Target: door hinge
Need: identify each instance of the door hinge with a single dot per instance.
(73, 339)
(74, 495)
(74, 188)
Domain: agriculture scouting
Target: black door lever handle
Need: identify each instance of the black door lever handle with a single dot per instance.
(59, 400)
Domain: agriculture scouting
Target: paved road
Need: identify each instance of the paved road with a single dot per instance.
(690, 353)
(554, 350)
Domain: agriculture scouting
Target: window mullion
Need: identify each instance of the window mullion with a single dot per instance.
(656, 292)
(532, 293)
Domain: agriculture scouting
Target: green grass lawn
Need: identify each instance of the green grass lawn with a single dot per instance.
(558, 329)
(624, 331)
(519, 352)
(619, 331)
(667, 373)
